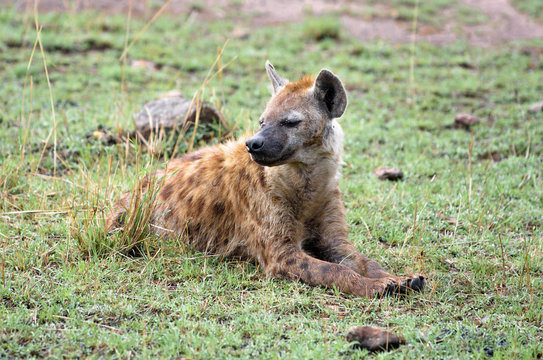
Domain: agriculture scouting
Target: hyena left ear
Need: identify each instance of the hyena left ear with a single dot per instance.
(330, 90)
(277, 81)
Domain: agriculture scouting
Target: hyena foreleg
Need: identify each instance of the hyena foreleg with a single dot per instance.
(330, 243)
(295, 264)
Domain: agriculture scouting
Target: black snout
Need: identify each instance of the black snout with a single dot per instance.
(268, 146)
(255, 144)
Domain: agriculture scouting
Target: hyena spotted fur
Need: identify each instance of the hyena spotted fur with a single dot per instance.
(274, 198)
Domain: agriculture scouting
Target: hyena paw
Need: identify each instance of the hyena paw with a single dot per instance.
(394, 285)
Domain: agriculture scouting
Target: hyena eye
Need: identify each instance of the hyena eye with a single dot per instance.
(260, 121)
(290, 122)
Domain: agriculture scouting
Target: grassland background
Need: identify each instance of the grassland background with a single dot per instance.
(469, 213)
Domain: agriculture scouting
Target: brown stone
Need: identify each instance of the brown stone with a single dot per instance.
(465, 121)
(373, 338)
(388, 173)
(143, 64)
(537, 107)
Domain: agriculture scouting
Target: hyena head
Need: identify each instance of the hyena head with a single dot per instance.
(298, 118)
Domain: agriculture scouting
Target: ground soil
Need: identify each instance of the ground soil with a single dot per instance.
(504, 23)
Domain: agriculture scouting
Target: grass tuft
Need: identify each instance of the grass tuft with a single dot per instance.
(321, 28)
(133, 236)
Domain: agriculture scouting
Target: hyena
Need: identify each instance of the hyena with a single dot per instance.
(274, 197)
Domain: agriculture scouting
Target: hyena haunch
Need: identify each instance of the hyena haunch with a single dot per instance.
(274, 197)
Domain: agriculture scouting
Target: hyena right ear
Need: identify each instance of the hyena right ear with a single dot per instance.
(277, 81)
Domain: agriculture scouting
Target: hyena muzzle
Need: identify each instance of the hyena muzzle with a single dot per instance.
(274, 197)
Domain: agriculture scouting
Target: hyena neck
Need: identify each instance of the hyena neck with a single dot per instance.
(332, 140)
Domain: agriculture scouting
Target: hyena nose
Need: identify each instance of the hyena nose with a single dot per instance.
(255, 144)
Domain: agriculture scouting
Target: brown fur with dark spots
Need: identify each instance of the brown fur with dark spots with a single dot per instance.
(280, 205)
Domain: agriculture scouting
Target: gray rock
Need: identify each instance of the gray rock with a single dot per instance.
(171, 112)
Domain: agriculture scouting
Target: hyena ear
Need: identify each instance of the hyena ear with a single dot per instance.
(330, 90)
(277, 81)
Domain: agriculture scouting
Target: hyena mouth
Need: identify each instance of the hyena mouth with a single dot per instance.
(268, 148)
(263, 159)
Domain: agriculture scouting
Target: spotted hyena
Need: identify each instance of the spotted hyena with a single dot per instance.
(274, 197)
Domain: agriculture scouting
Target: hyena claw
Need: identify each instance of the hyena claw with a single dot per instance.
(415, 283)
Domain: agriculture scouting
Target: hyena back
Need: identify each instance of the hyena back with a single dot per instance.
(274, 197)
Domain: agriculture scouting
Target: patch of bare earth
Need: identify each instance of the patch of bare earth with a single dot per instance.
(504, 23)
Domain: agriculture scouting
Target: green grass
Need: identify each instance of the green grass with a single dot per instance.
(62, 298)
(532, 8)
(435, 13)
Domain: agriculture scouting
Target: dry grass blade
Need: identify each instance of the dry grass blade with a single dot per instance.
(54, 128)
(197, 100)
(48, 212)
(92, 323)
(123, 59)
(157, 14)
(414, 26)
(27, 123)
(447, 218)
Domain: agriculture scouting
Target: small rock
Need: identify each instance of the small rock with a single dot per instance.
(466, 65)
(100, 135)
(143, 64)
(537, 107)
(465, 121)
(492, 155)
(240, 33)
(373, 338)
(388, 173)
(170, 112)
(107, 137)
